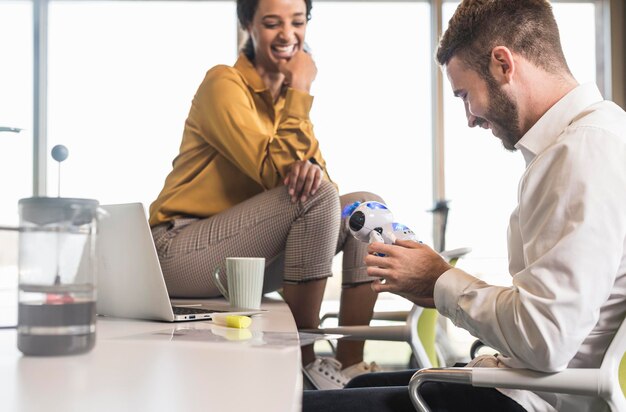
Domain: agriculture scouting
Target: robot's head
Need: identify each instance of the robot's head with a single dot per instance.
(367, 216)
(402, 232)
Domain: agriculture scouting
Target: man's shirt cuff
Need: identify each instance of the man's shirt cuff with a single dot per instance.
(448, 289)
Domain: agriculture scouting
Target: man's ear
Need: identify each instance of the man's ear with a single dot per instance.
(501, 64)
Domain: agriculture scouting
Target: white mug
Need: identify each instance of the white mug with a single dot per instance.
(245, 281)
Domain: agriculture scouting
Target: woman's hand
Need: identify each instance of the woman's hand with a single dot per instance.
(303, 180)
(299, 71)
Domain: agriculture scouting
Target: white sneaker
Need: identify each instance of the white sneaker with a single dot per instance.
(360, 369)
(325, 373)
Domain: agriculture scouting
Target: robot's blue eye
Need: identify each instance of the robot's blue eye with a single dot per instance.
(347, 211)
(399, 226)
(376, 205)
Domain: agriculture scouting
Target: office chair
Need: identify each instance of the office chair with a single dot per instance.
(607, 382)
(418, 326)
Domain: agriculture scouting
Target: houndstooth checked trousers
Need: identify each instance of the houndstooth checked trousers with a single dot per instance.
(298, 241)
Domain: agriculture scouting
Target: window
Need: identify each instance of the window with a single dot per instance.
(16, 154)
(16, 106)
(372, 106)
(122, 77)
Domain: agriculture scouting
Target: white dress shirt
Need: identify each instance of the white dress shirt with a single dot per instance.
(567, 251)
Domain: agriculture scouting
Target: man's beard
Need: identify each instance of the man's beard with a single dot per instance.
(503, 114)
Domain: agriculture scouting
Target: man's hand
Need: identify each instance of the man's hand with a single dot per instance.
(300, 71)
(408, 269)
(303, 180)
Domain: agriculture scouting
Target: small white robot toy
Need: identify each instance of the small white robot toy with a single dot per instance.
(373, 222)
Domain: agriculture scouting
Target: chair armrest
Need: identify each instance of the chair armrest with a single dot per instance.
(475, 347)
(450, 375)
(478, 346)
(395, 316)
(570, 381)
(397, 333)
(455, 253)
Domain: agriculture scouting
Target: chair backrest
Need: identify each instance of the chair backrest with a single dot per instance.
(622, 374)
(614, 362)
(426, 330)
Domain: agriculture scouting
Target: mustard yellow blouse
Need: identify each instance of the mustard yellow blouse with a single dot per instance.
(236, 143)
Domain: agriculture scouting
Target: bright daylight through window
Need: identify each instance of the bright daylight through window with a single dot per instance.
(121, 76)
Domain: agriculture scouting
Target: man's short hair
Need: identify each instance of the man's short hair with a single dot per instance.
(526, 27)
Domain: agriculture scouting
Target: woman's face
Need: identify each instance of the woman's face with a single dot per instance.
(277, 31)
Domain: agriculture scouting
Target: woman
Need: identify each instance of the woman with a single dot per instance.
(250, 181)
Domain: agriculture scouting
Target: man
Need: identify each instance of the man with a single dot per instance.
(567, 236)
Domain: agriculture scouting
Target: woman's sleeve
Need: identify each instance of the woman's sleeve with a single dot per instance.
(225, 116)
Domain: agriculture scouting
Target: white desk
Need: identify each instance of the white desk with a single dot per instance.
(152, 366)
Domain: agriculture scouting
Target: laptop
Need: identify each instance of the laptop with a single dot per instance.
(130, 281)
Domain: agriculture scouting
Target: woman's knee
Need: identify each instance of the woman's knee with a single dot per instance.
(327, 198)
(327, 190)
(350, 198)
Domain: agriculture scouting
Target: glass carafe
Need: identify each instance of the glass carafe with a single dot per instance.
(57, 276)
